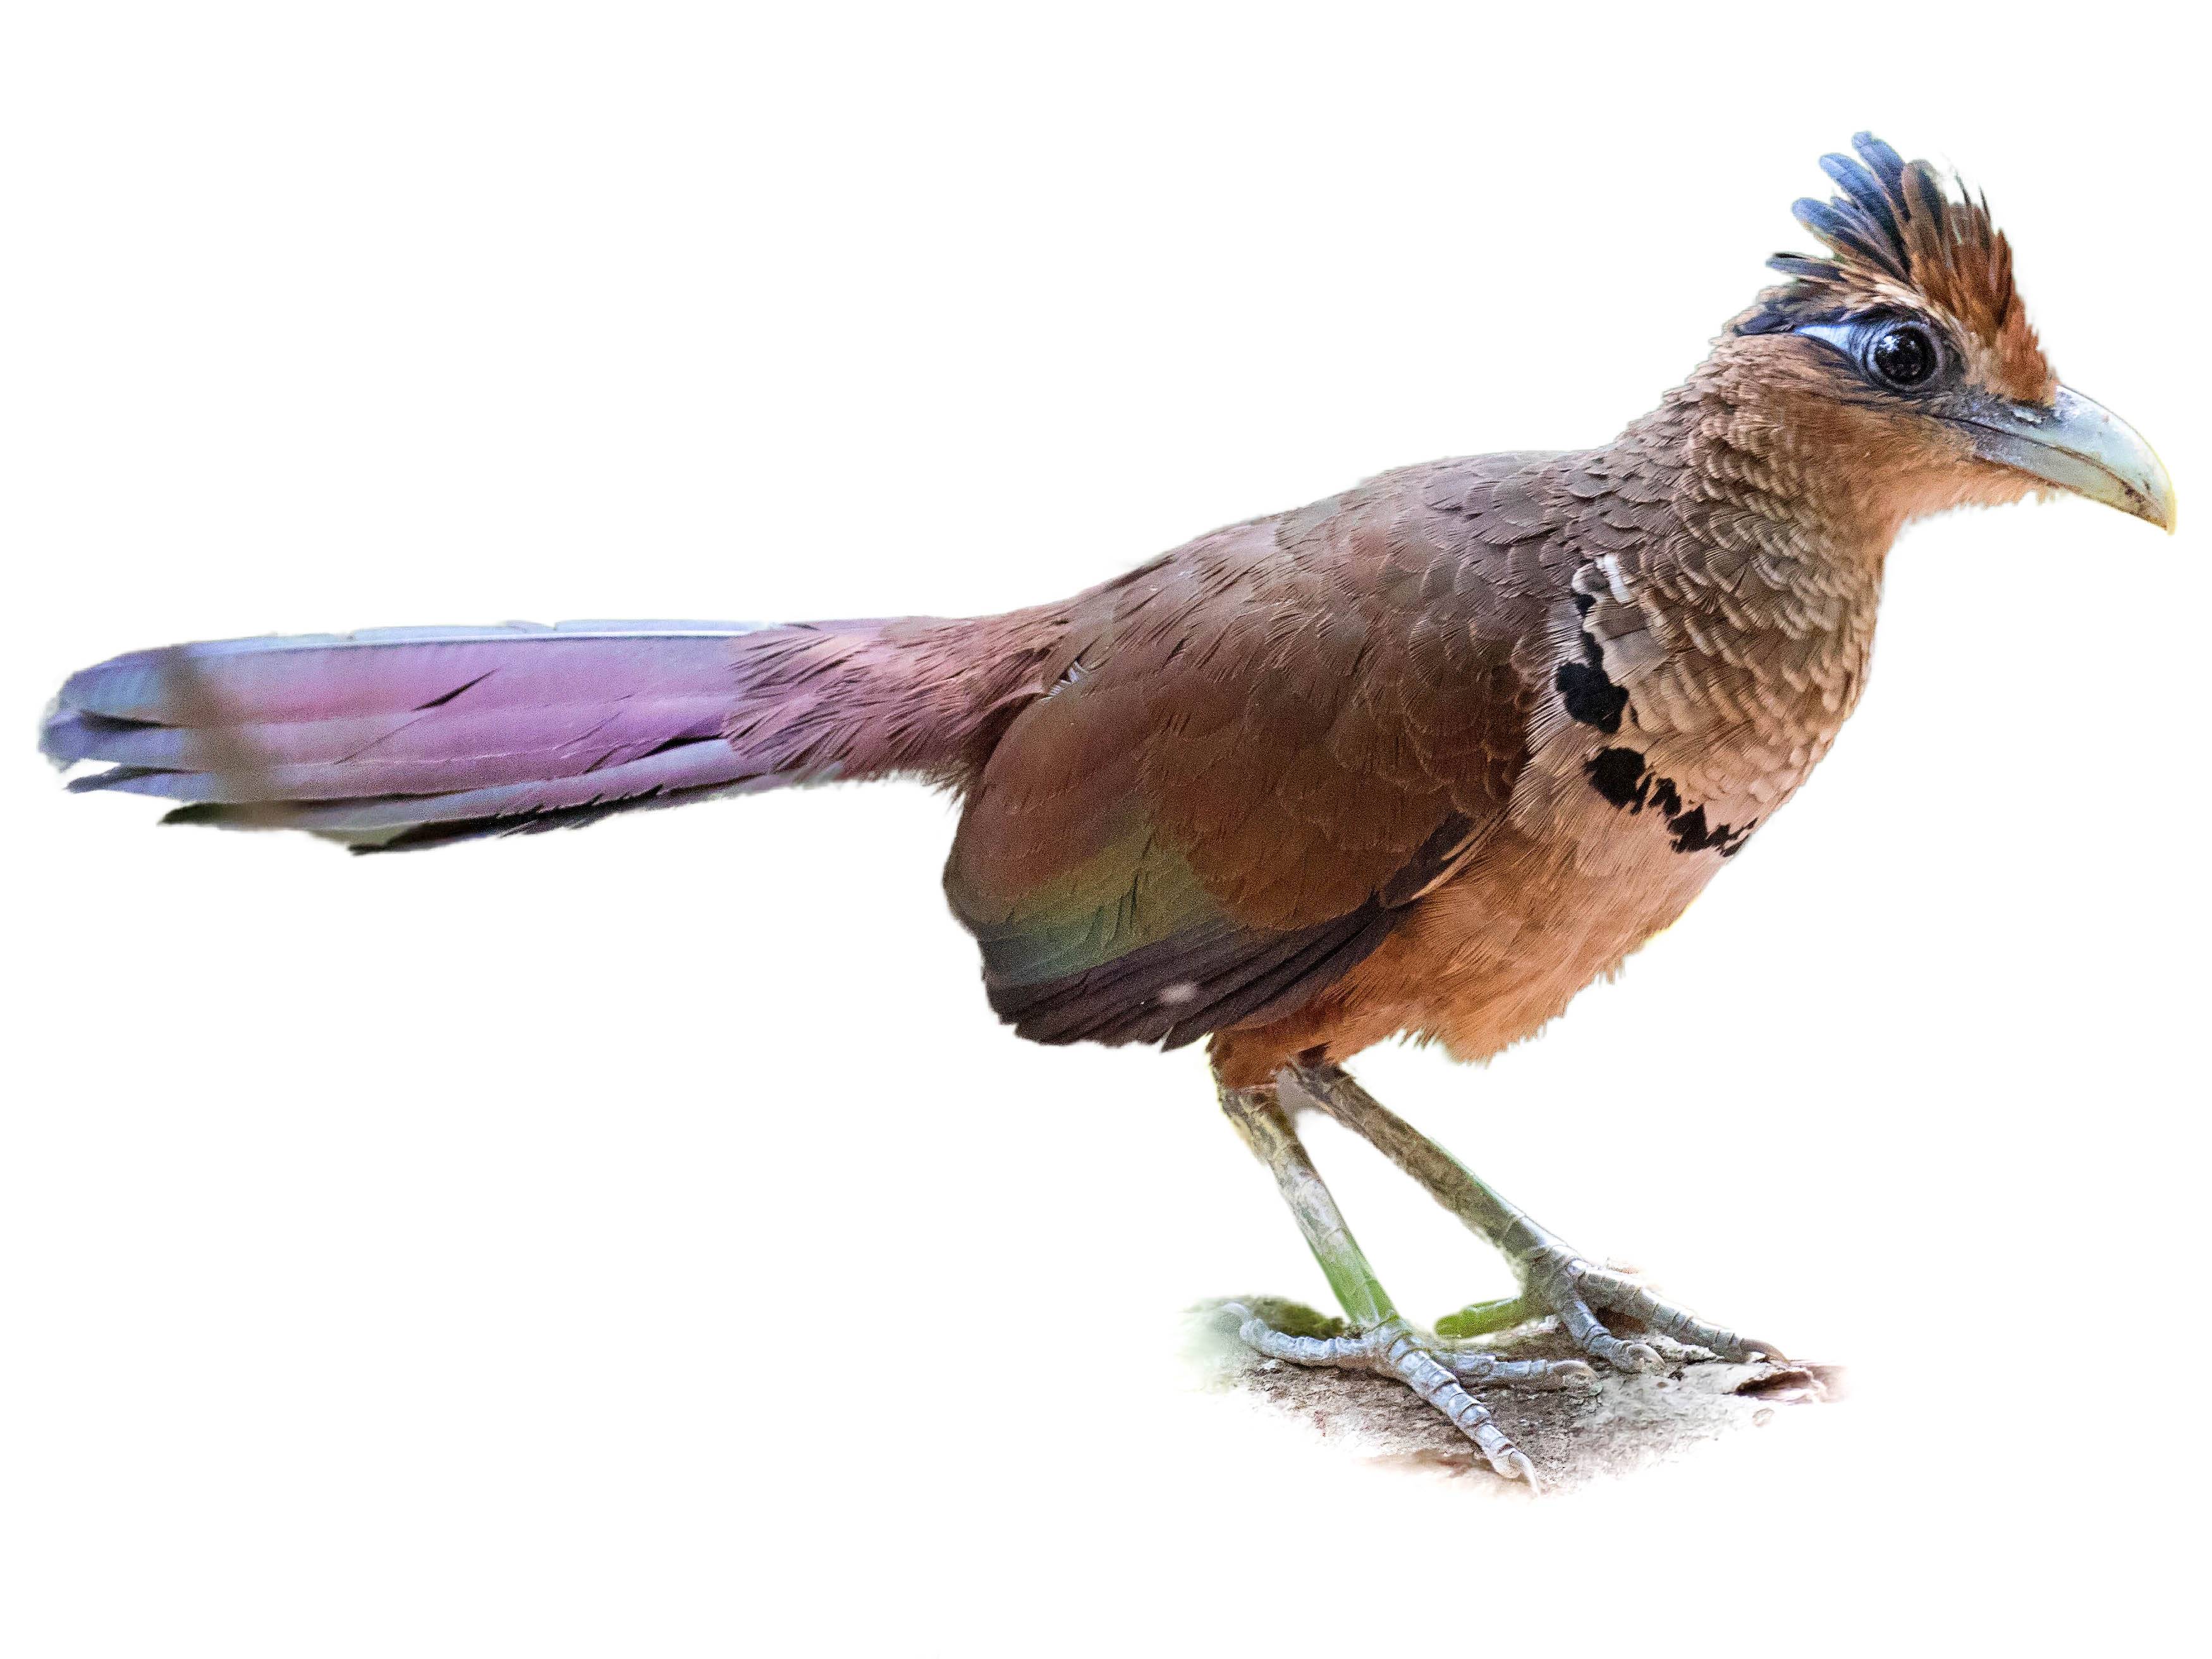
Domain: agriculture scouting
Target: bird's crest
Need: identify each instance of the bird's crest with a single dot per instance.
(1897, 238)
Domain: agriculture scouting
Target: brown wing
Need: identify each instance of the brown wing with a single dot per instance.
(1255, 753)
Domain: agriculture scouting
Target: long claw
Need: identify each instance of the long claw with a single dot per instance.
(1257, 1333)
(1570, 1286)
(1618, 1294)
(1516, 1466)
(1478, 1368)
(1583, 1330)
(1572, 1374)
(1393, 1348)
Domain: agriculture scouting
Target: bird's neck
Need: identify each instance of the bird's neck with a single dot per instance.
(1757, 464)
(1756, 568)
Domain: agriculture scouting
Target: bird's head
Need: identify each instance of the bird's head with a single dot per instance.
(1907, 354)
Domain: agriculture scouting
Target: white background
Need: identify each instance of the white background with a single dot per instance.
(643, 1241)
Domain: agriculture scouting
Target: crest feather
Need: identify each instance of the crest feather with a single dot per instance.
(1896, 238)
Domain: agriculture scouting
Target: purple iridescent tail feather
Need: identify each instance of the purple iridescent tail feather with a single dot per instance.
(400, 738)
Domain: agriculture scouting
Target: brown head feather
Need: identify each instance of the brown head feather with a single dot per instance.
(1897, 240)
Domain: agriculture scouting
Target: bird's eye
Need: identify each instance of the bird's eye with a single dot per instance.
(1904, 354)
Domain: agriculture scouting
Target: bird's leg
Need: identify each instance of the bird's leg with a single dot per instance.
(1555, 1279)
(1381, 1340)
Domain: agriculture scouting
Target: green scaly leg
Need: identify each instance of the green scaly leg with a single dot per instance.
(1555, 1279)
(1382, 1341)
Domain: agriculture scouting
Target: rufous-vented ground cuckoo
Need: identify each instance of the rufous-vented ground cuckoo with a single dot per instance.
(1424, 758)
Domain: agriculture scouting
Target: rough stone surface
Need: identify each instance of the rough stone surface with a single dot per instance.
(1622, 1424)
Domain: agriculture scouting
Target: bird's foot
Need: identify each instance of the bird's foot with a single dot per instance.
(1557, 1281)
(1439, 1374)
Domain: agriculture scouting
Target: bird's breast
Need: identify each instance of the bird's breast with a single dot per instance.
(1674, 725)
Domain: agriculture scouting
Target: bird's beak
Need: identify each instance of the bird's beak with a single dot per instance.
(2080, 446)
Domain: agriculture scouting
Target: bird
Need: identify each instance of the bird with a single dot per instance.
(1420, 760)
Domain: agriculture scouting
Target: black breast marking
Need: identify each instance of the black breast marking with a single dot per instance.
(1623, 777)
(1619, 775)
(1586, 691)
(1590, 697)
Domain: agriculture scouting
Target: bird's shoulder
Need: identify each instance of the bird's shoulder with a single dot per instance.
(1425, 567)
(1278, 718)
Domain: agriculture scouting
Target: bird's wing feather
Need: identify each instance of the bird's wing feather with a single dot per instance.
(1256, 752)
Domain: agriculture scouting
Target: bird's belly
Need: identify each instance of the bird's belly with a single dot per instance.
(1503, 951)
(1492, 955)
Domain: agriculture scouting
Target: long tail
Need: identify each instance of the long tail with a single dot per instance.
(407, 737)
